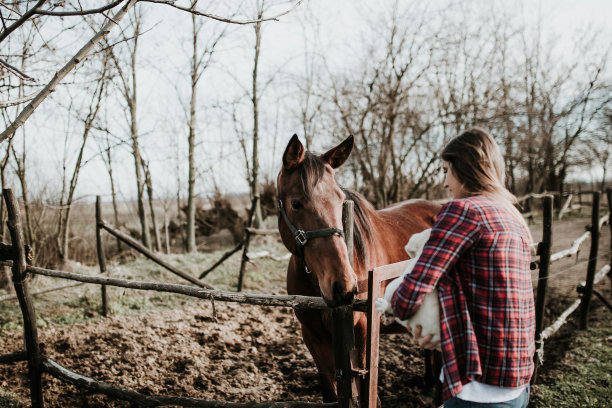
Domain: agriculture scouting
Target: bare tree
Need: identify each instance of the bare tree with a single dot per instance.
(32, 14)
(128, 87)
(258, 220)
(106, 153)
(383, 106)
(201, 60)
(62, 73)
(67, 195)
(596, 147)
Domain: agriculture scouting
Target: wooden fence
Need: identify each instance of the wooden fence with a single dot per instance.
(546, 258)
(347, 380)
(38, 364)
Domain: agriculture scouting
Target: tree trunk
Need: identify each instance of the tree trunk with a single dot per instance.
(144, 223)
(113, 196)
(149, 184)
(258, 221)
(191, 241)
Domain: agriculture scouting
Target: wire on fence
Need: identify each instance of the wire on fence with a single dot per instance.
(561, 320)
(293, 301)
(564, 271)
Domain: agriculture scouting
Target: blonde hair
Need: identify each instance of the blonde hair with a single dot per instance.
(478, 164)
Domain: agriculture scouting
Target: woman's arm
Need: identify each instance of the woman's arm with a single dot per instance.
(455, 230)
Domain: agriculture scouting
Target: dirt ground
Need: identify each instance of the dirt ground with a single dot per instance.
(248, 353)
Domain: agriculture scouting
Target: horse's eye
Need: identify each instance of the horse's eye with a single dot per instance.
(297, 205)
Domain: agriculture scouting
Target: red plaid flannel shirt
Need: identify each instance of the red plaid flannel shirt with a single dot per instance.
(478, 258)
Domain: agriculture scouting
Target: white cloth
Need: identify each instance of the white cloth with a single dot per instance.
(480, 392)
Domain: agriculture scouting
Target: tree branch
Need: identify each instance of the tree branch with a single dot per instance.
(79, 12)
(4, 104)
(22, 20)
(223, 19)
(15, 71)
(61, 74)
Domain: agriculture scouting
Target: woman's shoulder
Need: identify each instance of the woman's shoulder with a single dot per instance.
(477, 208)
(464, 208)
(467, 203)
(478, 202)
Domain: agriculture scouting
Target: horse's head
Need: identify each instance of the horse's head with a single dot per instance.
(310, 219)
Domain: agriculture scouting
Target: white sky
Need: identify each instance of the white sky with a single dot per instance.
(163, 62)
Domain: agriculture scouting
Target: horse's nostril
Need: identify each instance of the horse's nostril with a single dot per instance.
(341, 295)
(337, 291)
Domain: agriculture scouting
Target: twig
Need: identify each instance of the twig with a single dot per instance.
(224, 19)
(5, 104)
(21, 20)
(15, 71)
(81, 12)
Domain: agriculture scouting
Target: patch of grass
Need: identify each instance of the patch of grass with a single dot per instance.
(585, 374)
(8, 400)
(10, 316)
(83, 303)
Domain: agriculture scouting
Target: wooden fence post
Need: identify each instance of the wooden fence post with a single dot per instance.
(343, 336)
(25, 300)
(101, 254)
(588, 289)
(544, 250)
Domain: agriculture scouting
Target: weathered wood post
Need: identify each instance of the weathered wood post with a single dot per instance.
(588, 289)
(247, 241)
(343, 336)
(24, 298)
(544, 250)
(101, 254)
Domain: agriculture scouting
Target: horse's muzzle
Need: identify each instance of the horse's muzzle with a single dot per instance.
(341, 296)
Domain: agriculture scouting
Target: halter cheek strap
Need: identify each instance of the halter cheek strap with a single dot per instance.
(302, 237)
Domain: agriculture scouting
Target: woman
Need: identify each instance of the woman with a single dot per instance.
(478, 258)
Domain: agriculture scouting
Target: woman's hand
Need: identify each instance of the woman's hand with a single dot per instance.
(424, 341)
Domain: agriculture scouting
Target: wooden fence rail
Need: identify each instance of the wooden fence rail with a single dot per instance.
(292, 301)
(151, 255)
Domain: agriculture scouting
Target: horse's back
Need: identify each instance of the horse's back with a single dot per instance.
(416, 212)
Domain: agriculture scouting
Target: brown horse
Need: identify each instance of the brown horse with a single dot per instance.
(310, 223)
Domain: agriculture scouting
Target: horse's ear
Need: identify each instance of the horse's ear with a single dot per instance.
(338, 155)
(294, 153)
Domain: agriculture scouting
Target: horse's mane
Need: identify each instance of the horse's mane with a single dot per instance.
(311, 171)
(362, 233)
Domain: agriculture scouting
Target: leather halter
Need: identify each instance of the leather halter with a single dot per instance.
(302, 237)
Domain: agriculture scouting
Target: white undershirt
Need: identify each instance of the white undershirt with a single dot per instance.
(480, 392)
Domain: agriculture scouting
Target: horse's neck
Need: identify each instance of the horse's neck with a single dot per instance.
(388, 240)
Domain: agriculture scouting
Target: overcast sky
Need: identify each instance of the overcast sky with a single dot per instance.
(164, 58)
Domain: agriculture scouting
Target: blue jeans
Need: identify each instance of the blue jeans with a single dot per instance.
(519, 402)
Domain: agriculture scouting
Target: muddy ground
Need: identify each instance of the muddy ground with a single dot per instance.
(243, 353)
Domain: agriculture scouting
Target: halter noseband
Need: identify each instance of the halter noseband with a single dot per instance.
(302, 237)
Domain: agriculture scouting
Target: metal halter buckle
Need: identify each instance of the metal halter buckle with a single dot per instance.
(301, 238)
